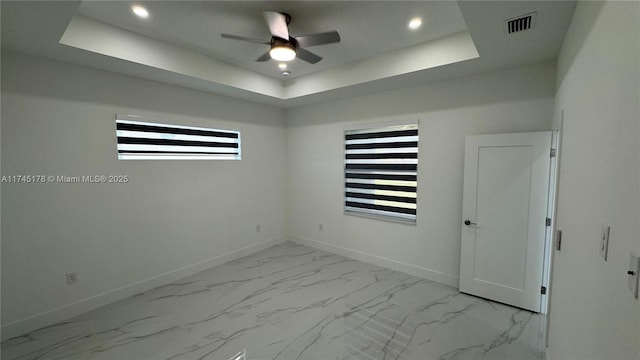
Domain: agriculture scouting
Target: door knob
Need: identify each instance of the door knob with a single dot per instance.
(468, 222)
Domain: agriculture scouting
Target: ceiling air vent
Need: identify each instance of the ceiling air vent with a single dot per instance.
(520, 23)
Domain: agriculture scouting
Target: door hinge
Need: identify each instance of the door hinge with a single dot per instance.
(553, 153)
(559, 240)
(547, 222)
(543, 290)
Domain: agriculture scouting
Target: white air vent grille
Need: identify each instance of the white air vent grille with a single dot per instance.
(520, 23)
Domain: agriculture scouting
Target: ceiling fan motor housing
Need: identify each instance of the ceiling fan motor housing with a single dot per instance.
(291, 43)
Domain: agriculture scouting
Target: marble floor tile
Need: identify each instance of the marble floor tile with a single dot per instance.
(292, 302)
(64, 340)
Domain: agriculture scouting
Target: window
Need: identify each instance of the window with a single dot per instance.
(381, 170)
(149, 141)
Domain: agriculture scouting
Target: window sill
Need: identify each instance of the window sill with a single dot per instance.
(381, 217)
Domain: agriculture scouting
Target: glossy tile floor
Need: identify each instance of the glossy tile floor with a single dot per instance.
(292, 302)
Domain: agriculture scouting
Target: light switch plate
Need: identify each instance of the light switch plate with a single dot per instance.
(604, 241)
(632, 274)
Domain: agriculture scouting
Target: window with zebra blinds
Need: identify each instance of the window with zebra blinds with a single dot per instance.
(141, 140)
(381, 171)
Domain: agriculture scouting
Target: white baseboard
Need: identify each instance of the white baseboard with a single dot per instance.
(53, 316)
(410, 269)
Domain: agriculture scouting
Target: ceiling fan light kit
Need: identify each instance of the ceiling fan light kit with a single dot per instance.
(282, 50)
(283, 46)
(282, 53)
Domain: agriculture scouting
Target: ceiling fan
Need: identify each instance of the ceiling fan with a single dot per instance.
(284, 47)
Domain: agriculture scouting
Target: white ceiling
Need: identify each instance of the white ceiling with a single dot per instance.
(180, 42)
(366, 29)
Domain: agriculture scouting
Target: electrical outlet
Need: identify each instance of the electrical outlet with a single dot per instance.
(604, 241)
(320, 227)
(72, 278)
(258, 228)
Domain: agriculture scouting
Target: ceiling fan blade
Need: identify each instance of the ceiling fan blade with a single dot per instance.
(307, 56)
(318, 39)
(277, 23)
(264, 57)
(244, 38)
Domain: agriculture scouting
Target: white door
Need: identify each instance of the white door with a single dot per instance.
(506, 184)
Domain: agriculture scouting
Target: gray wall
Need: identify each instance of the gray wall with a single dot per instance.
(502, 102)
(593, 315)
(170, 219)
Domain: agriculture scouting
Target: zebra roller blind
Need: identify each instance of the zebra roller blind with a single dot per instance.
(381, 170)
(150, 141)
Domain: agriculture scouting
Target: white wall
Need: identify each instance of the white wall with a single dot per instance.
(508, 101)
(593, 316)
(172, 218)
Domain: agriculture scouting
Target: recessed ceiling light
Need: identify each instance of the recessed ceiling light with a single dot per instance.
(415, 23)
(140, 11)
(286, 73)
(282, 66)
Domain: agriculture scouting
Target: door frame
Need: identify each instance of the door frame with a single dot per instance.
(554, 227)
(551, 214)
